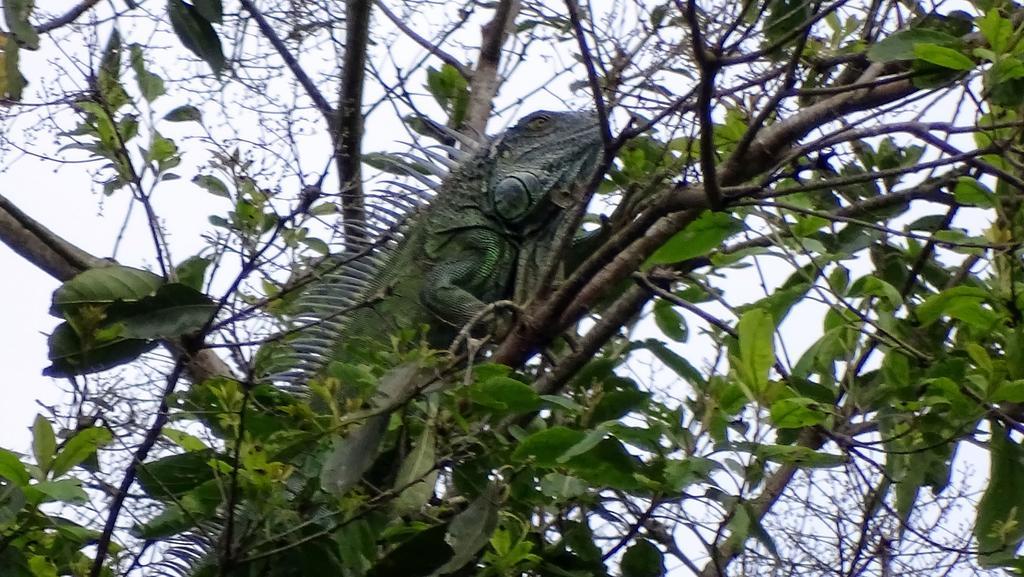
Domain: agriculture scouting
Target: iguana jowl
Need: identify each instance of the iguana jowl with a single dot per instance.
(462, 251)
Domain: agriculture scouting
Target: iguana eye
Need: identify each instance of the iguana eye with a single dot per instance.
(538, 122)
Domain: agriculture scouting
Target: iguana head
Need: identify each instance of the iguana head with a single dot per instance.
(540, 160)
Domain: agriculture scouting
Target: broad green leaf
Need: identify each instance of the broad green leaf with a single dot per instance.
(1012, 391)
(192, 272)
(996, 30)
(80, 447)
(757, 348)
(505, 394)
(670, 321)
(797, 412)
(12, 469)
(44, 442)
(106, 285)
(699, 238)
(212, 184)
(935, 306)
(643, 559)
(972, 192)
(174, 310)
(211, 10)
(471, 530)
(562, 487)
(802, 456)
(64, 490)
(874, 286)
(999, 528)
(418, 473)
(196, 33)
(12, 83)
(679, 365)
(943, 56)
(545, 447)
(69, 356)
(682, 473)
(108, 77)
(17, 13)
(784, 17)
(186, 113)
(176, 475)
(353, 455)
(150, 85)
(608, 464)
(900, 46)
(42, 567)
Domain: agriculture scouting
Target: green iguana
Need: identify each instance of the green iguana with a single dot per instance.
(465, 249)
(472, 244)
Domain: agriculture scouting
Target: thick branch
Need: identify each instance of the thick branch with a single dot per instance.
(485, 82)
(348, 133)
(68, 17)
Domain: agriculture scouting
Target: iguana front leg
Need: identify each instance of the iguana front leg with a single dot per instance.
(472, 268)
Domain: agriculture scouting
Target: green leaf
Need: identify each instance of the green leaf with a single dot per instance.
(12, 469)
(192, 272)
(186, 113)
(108, 78)
(699, 238)
(418, 474)
(106, 285)
(451, 90)
(562, 487)
(505, 394)
(212, 184)
(643, 559)
(70, 356)
(211, 10)
(900, 46)
(935, 306)
(785, 16)
(196, 34)
(996, 30)
(174, 310)
(943, 56)
(80, 447)
(679, 365)
(44, 442)
(680, 474)
(797, 412)
(999, 528)
(874, 286)
(669, 321)
(471, 530)
(12, 83)
(972, 192)
(18, 13)
(64, 490)
(353, 455)
(545, 447)
(150, 85)
(176, 475)
(797, 455)
(757, 348)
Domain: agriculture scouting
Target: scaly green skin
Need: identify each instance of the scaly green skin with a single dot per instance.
(462, 251)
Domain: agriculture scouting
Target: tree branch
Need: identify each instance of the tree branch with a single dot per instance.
(66, 18)
(347, 133)
(485, 82)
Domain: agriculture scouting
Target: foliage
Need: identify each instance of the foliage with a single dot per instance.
(817, 204)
